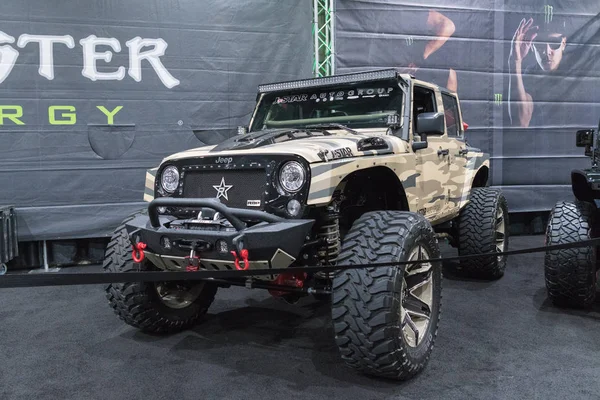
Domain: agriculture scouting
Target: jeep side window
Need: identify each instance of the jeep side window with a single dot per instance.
(423, 101)
(451, 115)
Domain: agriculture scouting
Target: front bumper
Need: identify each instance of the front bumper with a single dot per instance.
(271, 241)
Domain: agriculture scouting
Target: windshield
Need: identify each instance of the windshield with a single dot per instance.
(363, 105)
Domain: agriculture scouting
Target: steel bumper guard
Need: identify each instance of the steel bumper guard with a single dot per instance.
(270, 242)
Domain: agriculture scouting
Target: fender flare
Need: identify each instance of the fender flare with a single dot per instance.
(581, 187)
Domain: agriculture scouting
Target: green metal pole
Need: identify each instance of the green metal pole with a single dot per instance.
(323, 37)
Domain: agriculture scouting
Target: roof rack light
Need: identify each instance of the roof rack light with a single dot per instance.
(330, 80)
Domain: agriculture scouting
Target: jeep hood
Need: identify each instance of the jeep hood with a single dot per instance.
(313, 146)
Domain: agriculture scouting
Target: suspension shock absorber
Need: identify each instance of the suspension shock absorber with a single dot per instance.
(329, 233)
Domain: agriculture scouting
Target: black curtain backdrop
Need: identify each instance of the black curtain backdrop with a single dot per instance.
(91, 97)
(93, 94)
(524, 92)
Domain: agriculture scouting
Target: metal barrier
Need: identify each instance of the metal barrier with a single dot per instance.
(9, 246)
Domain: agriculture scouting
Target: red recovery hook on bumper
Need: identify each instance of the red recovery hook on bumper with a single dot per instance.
(138, 252)
(244, 254)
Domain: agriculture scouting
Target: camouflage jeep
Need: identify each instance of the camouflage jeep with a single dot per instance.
(349, 169)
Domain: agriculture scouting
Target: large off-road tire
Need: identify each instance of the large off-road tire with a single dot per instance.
(483, 227)
(570, 274)
(376, 311)
(157, 307)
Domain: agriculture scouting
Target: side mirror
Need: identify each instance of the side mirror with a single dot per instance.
(585, 138)
(430, 123)
(422, 144)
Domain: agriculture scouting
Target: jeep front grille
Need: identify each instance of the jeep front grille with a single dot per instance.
(235, 188)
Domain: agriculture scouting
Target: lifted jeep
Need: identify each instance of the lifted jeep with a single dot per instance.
(571, 275)
(348, 169)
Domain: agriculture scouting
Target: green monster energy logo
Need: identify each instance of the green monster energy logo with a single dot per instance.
(498, 98)
(409, 40)
(548, 13)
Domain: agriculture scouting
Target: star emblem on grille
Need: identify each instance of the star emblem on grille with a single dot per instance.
(222, 189)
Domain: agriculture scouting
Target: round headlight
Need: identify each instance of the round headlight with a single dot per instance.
(170, 179)
(292, 176)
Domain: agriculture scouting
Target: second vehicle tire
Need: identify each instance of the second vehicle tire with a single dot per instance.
(385, 319)
(571, 274)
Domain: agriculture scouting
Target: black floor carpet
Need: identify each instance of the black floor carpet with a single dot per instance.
(498, 340)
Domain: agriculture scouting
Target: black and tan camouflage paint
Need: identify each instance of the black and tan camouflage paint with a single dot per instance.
(149, 185)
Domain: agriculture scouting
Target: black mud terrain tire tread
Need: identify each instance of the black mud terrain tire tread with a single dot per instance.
(477, 234)
(137, 303)
(365, 302)
(570, 274)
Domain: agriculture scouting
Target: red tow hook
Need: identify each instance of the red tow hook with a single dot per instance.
(244, 254)
(193, 262)
(138, 252)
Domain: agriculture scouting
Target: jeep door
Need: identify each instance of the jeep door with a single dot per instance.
(457, 184)
(432, 163)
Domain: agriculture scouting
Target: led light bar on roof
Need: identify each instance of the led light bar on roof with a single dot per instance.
(330, 80)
